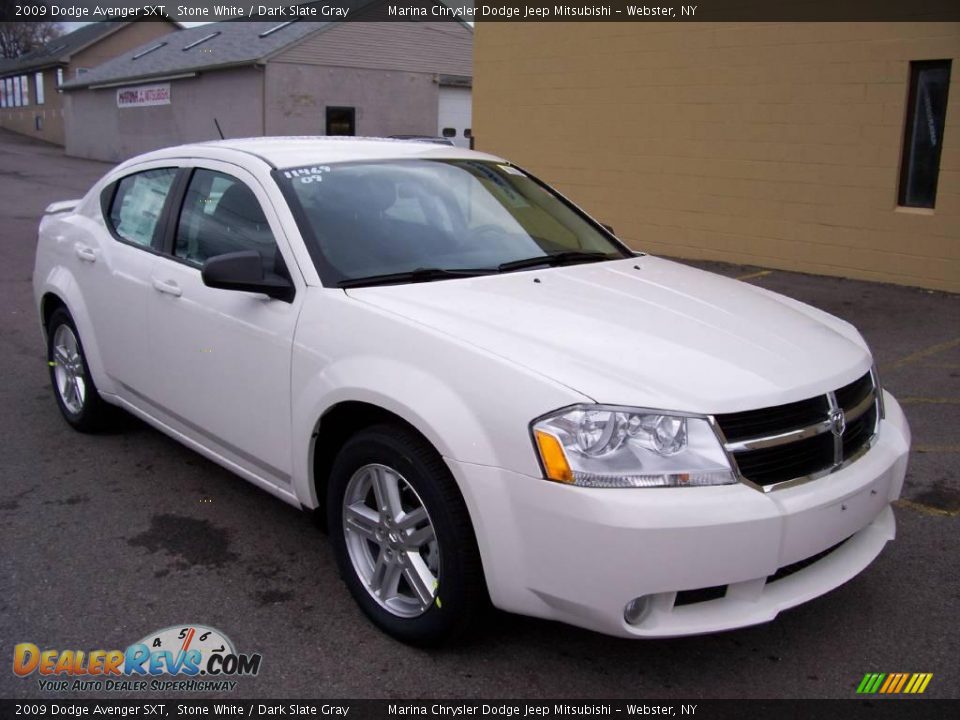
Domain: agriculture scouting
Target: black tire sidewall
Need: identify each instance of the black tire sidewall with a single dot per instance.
(441, 622)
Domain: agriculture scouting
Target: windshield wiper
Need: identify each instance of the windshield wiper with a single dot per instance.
(569, 257)
(428, 274)
(414, 276)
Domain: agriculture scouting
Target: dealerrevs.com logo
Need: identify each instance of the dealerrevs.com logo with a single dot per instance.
(196, 657)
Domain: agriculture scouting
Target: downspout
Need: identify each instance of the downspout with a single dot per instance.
(263, 99)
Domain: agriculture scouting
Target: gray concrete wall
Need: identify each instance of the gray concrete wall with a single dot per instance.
(387, 102)
(96, 128)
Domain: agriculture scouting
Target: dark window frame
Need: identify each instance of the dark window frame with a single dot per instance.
(907, 147)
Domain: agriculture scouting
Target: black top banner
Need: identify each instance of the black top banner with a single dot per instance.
(470, 11)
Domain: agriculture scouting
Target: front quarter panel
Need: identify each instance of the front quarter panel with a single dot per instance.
(473, 406)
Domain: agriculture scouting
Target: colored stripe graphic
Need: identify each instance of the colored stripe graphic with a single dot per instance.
(891, 679)
(893, 683)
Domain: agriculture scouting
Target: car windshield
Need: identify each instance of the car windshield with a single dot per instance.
(421, 220)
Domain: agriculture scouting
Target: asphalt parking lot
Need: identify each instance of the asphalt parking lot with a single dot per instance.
(105, 539)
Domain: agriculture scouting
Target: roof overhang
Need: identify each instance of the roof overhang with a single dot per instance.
(127, 83)
(144, 79)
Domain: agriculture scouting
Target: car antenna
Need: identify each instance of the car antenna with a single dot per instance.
(215, 122)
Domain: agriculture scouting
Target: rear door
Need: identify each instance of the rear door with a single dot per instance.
(117, 274)
(222, 357)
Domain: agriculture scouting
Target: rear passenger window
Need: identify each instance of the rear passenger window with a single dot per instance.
(222, 215)
(138, 203)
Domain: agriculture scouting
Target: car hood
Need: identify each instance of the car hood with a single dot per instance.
(644, 332)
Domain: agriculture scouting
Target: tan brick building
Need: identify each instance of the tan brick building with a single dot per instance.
(30, 100)
(830, 148)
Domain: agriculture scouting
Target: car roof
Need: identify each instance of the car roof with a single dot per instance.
(283, 152)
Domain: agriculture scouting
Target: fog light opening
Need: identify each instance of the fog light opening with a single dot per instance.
(636, 610)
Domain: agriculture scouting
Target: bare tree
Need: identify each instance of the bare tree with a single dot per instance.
(19, 38)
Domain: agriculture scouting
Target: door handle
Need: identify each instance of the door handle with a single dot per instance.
(167, 286)
(87, 254)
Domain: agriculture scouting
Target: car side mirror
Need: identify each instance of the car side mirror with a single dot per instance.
(244, 271)
(608, 228)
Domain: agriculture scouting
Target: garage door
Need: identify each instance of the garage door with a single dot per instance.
(455, 115)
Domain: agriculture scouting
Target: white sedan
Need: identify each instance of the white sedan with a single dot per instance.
(485, 393)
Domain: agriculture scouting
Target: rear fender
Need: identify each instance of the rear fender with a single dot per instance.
(61, 283)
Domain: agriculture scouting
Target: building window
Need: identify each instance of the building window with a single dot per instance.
(3, 93)
(17, 97)
(38, 81)
(923, 133)
(341, 121)
(59, 78)
(25, 89)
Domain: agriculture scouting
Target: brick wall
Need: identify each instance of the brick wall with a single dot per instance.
(771, 144)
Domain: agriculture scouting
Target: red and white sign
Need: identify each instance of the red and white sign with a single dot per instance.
(143, 96)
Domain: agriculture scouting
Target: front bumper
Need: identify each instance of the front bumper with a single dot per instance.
(580, 555)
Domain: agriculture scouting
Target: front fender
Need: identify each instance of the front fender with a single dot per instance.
(473, 406)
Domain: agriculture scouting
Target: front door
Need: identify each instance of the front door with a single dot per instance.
(221, 358)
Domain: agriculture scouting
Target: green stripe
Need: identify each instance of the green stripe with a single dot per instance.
(878, 683)
(861, 688)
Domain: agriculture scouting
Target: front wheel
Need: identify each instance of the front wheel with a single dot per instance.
(403, 538)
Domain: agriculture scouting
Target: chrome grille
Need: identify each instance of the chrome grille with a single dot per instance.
(805, 439)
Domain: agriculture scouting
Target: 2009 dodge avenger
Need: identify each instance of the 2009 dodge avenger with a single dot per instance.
(487, 394)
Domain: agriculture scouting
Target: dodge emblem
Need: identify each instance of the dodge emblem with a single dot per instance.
(838, 422)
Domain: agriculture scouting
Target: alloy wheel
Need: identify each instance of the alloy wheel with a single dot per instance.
(391, 540)
(68, 369)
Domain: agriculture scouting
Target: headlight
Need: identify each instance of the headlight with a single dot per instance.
(612, 447)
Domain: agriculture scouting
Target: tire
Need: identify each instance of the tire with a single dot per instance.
(393, 550)
(73, 387)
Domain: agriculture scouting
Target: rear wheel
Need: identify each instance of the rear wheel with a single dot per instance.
(77, 396)
(403, 538)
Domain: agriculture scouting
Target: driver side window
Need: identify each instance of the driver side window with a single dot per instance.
(221, 215)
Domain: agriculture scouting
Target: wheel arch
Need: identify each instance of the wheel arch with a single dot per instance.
(49, 304)
(334, 428)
